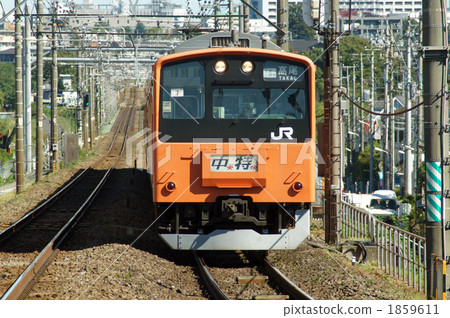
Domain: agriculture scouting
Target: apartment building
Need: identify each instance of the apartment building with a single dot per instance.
(412, 8)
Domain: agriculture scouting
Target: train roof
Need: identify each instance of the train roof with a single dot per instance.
(223, 39)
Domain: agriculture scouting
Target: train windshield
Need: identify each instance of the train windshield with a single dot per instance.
(204, 100)
(263, 103)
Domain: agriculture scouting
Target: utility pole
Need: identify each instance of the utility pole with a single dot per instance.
(216, 12)
(362, 102)
(97, 105)
(91, 108)
(283, 24)
(392, 118)
(27, 91)
(54, 109)
(85, 110)
(386, 174)
(80, 101)
(331, 79)
(419, 135)
(371, 131)
(246, 19)
(230, 12)
(40, 95)
(437, 129)
(20, 168)
(408, 171)
(354, 109)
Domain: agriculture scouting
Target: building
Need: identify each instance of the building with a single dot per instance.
(8, 56)
(268, 8)
(369, 26)
(66, 81)
(304, 45)
(122, 10)
(412, 8)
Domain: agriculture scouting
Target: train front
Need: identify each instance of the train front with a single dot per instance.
(233, 159)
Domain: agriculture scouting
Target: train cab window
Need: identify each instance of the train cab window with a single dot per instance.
(182, 90)
(274, 103)
(186, 107)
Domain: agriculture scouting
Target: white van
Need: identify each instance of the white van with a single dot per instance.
(384, 203)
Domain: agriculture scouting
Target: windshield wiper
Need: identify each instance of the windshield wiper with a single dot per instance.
(235, 122)
(286, 116)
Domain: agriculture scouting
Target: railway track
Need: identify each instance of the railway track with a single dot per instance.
(60, 213)
(276, 279)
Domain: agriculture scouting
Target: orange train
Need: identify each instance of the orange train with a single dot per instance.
(232, 161)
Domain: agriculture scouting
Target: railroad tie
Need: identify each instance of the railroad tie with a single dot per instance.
(245, 280)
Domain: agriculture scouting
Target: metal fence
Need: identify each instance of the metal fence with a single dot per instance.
(399, 253)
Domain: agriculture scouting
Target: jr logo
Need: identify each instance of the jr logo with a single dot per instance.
(283, 131)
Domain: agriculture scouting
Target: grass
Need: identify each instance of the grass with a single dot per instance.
(391, 283)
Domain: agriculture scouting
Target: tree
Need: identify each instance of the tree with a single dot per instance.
(363, 164)
(140, 29)
(316, 55)
(7, 86)
(297, 26)
(350, 48)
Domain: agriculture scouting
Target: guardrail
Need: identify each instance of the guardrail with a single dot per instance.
(399, 253)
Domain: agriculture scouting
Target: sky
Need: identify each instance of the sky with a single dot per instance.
(9, 4)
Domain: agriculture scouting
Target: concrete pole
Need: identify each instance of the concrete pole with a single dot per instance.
(86, 117)
(385, 157)
(97, 105)
(371, 131)
(408, 173)
(27, 93)
(362, 103)
(419, 137)
(392, 118)
(283, 24)
(54, 109)
(40, 95)
(335, 137)
(241, 19)
(246, 11)
(216, 12)
(354, 81)
(326, 133)
(91, 109)
(80, 90)
(435, 64)
(230, 12)
(20, 168)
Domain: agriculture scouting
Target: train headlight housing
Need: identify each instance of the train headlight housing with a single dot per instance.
(170, 186)
(297, 186)
(247, 67)
(220, 67)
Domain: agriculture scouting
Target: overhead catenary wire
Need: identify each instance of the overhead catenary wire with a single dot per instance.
(380, 114)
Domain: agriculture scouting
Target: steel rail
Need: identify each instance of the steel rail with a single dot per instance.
(16, 226)
(284, 283)
(214, 289)
(25, 280)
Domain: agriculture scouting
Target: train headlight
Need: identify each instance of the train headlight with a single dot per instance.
(247, 67)
(220, 67)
